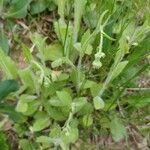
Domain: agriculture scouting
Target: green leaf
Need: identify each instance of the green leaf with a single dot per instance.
(57, 63)
(95, 88)
(139, 101)
(26, 145)
(86, 110)
(85, 36)
(22, 107)
(61, 28)
(44, 139)
(4, 42)
(98, 103)
(28, 79)
(40, 124)
(38, 6)
(117, 129)
(88, 84)
(91, 16)
(20, 129)
(78, 47)
(53, 52)
(74, 77)
(123, 45)
(40, 43)
(80, 103)
(118, 69)
(87, 120)
(54, 112)
(1, 5)
(79, 8)
(8, 66)
(27, 53)
(55, 131)
(105, 122)
(64, 97)
(118, 57)
(32, 108)
(18, 9)
(71, 136)
(3, 142)
(6, 87)
(61, 8)
(63, 76)
(10, 111)
(27, 98)
(89, 49)
(65, 110)
(54, 101)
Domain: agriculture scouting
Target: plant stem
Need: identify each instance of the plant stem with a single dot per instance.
(79, 73)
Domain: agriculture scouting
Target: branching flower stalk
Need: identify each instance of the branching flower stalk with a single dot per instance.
(99, 54)
(97, 63)
(99, 29)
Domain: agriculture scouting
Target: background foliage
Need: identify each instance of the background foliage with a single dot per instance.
(79, 80)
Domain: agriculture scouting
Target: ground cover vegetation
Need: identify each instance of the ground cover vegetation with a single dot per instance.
(74, 74)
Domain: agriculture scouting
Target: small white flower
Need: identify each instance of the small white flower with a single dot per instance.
(97, 64)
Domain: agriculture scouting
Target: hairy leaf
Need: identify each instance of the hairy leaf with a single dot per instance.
(117, 129)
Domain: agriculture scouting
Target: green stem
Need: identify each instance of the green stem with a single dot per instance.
(101, 42)
(79, 73)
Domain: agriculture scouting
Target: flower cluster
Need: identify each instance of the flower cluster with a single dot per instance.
(97, 63)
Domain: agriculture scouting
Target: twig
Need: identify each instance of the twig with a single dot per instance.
(137, 89)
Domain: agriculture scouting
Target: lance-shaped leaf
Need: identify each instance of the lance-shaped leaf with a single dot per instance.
(7, 87)
(61, 7)
(79, 6)
(4, 42)
(8, 66)
(118, 69)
